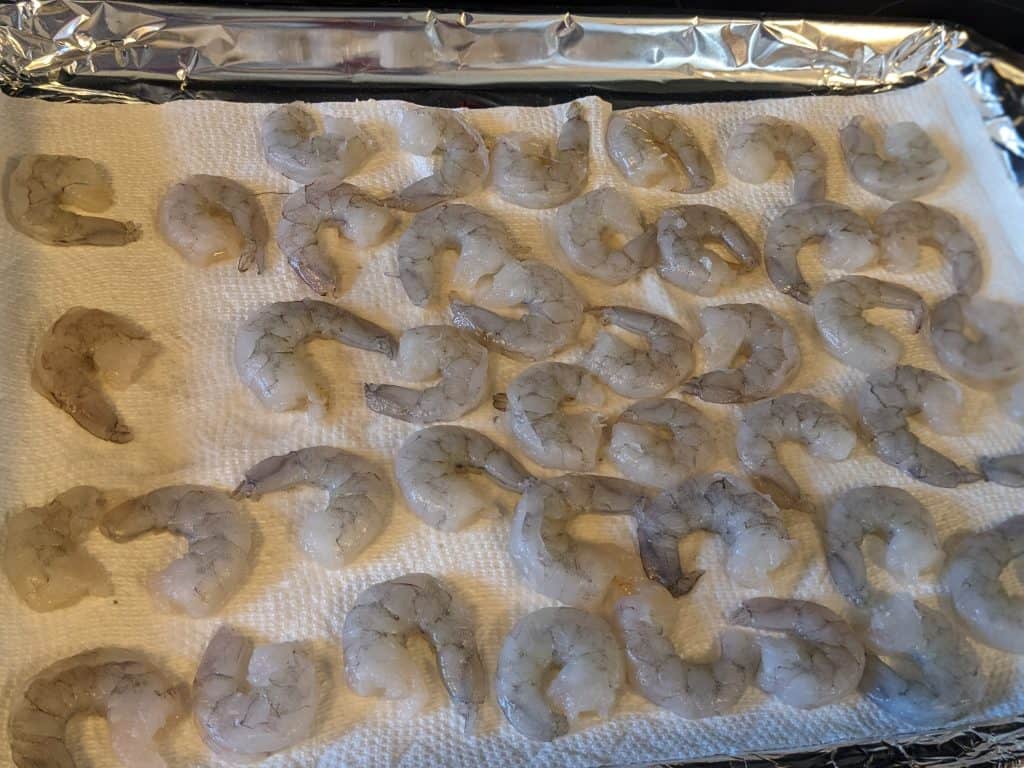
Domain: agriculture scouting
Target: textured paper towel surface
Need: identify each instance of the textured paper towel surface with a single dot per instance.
(194, 422)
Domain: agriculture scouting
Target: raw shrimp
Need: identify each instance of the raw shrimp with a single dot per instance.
(839, 316)
(635, 372)
(425, 353)
(589, 664)
(359, 499)
(267, 341)
(436, 470)
(653, 149)
(554, 310)
(549, 436)
(1005, 470)
(603, 235)
(748, 522)
(978, 340)
(817, 661)
(730, 330)
(890, 513)
(552, 561)
(40, 186)
(208, 218)
(973, 568)
(690, 689)
(660, 441)
(463, 164)
(526, 172)
(684, 259)
(136, 698)
(378, 626)
(219, 543)
(792, 416)
(905, 226)
(847, 243)
(80, 346)
(754, 149)
(250, 702)
(888, 398)
(912, 166)
(296, 148)
(328, 202)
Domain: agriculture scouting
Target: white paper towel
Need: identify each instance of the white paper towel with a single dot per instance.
(195, 422)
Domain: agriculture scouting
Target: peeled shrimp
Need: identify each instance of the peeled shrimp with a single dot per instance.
(912, 166)
(378, 626)
(295, 146)
(250, 702)
(80, 345)
(773, 355)
(660, 441)
(136, 698)
(219, 543)
(792, 416)
(40, 186)
(589, 664)
(748, 522)
(1005, 470)
(978, 340)
(889, 398)
(359, 499)
(753, 152)
(687, 262)
(437, 470)
(653, 149)
(266, 343)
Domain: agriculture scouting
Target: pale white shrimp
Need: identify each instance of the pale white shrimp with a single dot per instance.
(754, 149)
(380, 623)
(438, 467)
(266, 343)
(136, 698)
(553, 316)
(905, 226)
(250, 702)
(632, 371)
(328, 202)
(691, 689)
(912, 544)
(359, 499)
(526, 172)
(425, 353)
(209, 218)
(590, 671)
(946, 679)
(603, 235)
(839, 309)
(684, 259)
(847, 243)
(912, 166)
(296, 148)
(748, 522)
(40, 186)
(660, 441)
(463, 163)
(219, 537)
(731, 330)
(548, 558)
(792, 416)
(977, 339)
(80, 346)
(653, 149)
(1005, 470)
(535, 416)
(886, 401)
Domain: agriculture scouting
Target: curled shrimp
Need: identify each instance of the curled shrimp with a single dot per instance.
(437, 470)
(359, 499)
(653, 149)
(748, 522)
(589, 664)
(978, 340)
(1005, 470)
(753, 152)
(887, 400)
(378, 626)
(684, 259)
(427, 352)
(296, 148)
(266, 343)
(219, 543)
(80, 345)
(912, 166)
(39, 188)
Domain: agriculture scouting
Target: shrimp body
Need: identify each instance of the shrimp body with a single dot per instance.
(660, 441)
(296, 148)
(684, 259)
(653, 149)
(912, 165)
(754, 149)
(978, 340)
(1005, 470)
